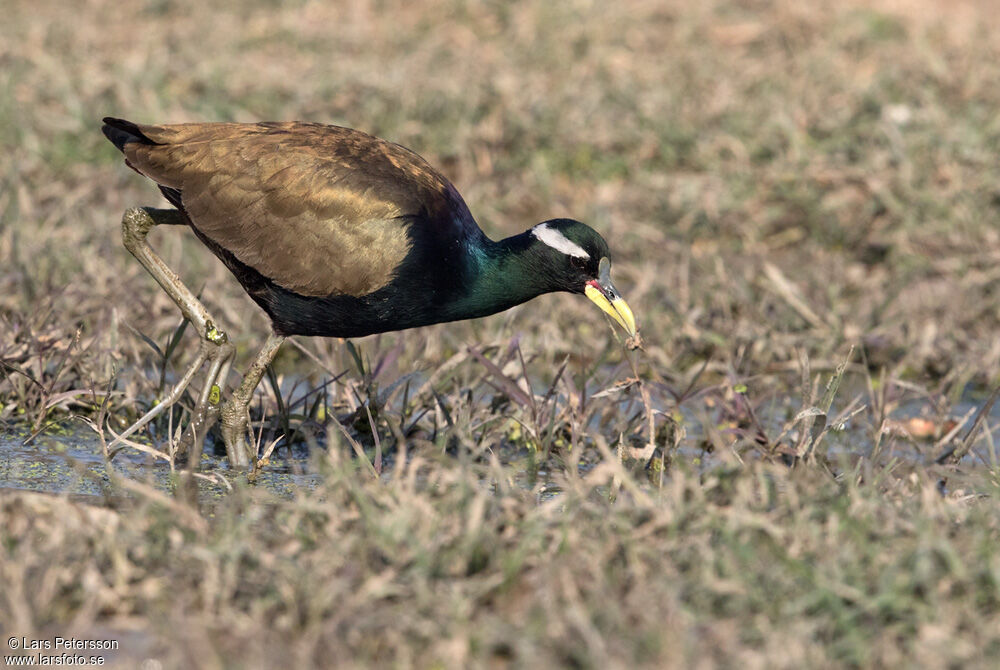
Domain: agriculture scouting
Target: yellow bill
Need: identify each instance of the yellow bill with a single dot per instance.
(603, 294)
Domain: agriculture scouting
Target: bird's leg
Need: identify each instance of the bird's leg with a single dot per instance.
(215, 345)
(206, 412)
(235, 413)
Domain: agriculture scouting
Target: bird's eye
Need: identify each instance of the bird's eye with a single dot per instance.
(578, 263)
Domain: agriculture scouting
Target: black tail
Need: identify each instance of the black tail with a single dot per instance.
(121, 132)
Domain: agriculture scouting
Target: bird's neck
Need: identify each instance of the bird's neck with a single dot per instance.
(501, 274)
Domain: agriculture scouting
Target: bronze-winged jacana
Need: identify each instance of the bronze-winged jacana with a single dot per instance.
(334, 232)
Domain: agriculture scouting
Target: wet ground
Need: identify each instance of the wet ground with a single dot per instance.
(67, 458)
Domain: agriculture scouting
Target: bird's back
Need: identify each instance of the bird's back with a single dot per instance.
(318, 210)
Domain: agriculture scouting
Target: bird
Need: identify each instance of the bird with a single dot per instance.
(336, 233)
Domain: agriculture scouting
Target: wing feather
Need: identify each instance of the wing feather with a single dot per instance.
(320, 210)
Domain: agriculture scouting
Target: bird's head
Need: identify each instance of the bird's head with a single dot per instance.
(578, 260)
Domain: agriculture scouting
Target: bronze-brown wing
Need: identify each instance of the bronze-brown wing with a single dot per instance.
(319, 210)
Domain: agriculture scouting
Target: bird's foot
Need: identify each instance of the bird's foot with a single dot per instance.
(235, 422)
(235, 415)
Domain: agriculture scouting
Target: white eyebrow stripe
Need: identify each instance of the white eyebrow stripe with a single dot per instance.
(558, 241)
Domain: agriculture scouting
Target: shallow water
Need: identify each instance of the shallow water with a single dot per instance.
(67, 458)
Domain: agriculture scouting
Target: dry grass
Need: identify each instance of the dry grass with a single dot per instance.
(453, 564)
(779, 181)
